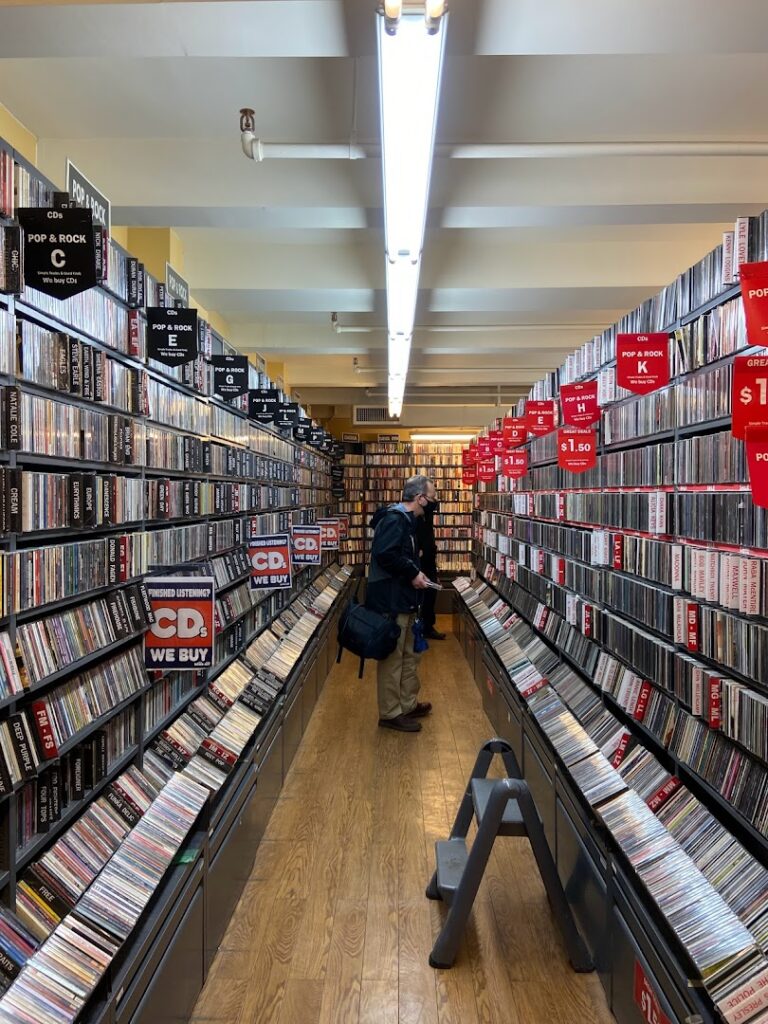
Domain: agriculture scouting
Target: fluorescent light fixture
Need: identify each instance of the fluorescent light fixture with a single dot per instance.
(411, 44)
(402, 292)
(442, 437)
(410, 61)
(399, 355)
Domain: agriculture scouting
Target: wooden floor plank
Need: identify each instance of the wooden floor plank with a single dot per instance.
(333, 926)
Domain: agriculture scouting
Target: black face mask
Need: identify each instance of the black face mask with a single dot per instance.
(433, 506)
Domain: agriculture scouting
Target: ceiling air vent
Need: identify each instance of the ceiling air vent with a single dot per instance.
(367, 414)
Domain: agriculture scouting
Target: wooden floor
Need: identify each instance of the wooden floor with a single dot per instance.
(333, 925)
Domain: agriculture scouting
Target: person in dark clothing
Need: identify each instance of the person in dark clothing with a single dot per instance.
(427, 545)
(395, 582)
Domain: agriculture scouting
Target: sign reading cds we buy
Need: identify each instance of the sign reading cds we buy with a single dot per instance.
(181, 637)
(270, 559)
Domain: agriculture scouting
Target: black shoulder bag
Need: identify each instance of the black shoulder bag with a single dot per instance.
(366, 633)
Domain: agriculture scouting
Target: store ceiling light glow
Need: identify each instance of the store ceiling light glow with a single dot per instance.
(411, 43)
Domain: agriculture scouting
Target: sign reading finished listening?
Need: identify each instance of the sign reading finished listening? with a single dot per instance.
(270, 558)
(182, 635)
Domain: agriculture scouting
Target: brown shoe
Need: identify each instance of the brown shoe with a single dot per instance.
(402, 723)
(419, 711)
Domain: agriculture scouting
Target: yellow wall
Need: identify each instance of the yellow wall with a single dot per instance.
(14, 132)
(120, 235)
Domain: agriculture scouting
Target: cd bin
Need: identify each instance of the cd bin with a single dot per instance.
(616, 924)
(162, 969)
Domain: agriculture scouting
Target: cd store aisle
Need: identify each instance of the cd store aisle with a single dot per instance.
(333, 925)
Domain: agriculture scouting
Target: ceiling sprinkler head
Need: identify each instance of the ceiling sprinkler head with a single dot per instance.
(247, 119)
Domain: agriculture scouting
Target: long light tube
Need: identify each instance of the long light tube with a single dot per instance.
(410, 64)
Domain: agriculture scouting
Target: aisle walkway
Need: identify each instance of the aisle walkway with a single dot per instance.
(333, 925)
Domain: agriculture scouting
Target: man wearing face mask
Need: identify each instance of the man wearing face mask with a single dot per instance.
(395, 584)
(425, 540)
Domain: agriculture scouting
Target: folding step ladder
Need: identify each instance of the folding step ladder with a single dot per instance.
(502, 807)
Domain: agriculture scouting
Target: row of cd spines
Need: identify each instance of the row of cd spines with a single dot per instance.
(33, 501)
(75, 369)
(33, 577)
(686, 697)
(728, 518)
(36, 425)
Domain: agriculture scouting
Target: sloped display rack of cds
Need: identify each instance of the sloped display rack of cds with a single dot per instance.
(132, 800)
(390, 463)
(619, 636)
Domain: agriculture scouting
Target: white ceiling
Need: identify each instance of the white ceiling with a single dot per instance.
(145, 99)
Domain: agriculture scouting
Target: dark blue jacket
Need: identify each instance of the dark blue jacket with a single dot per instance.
(394, 562)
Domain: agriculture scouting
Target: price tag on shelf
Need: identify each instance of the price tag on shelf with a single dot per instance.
(578, 403)
(749, 397)
(576, 449)
(642, 362)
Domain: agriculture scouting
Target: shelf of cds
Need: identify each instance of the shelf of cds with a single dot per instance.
(352, 504)
(388, 464)
(122, 787)
(628, 608)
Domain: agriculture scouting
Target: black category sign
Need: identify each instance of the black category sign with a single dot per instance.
(176, 287)
(171, 335)
(303, 429)
(263, 403)
(84, 193)
(316, 436)
(326, 445)
(338, 492)
(338, 450)
(286, 414)
(337, 472)
(230, 376)
(59, 251)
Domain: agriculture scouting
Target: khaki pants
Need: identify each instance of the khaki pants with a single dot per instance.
(398, 684)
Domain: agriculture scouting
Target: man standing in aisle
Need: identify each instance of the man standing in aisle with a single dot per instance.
(395, 584)
(427, 545)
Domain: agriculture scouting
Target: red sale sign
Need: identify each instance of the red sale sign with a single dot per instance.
(270, 559)
(749, 397)
(540, 416)
(515, 464)
(469, 475)
(498, 446)
(483, 448)
(515, 430)
(486, 471)
(579, 403)
(753, 278)
(757, 464)
(329, 532)
(182, 635)
(469, 456)
(306, 545)
(642, 362)
(646, 998)
(576, 449)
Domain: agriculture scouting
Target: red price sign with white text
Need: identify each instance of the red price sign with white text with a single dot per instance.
(757, 464)
(330, 532)
(578, 403)
(749, 398)
(515, 464)
(306, 545)
(576, 449)
(498, 446)
(540, 417)
(642, 362)
(469, 456)
(515, 430)
(753, 278)
(469, 475)
(486, 471)
(182, 635)
(483, 448)
(646, 999)
(270, 559)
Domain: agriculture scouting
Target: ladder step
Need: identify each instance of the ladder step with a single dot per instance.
(512, 823)
(451, 860)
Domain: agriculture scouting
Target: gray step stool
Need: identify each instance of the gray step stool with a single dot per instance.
(502, 807)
